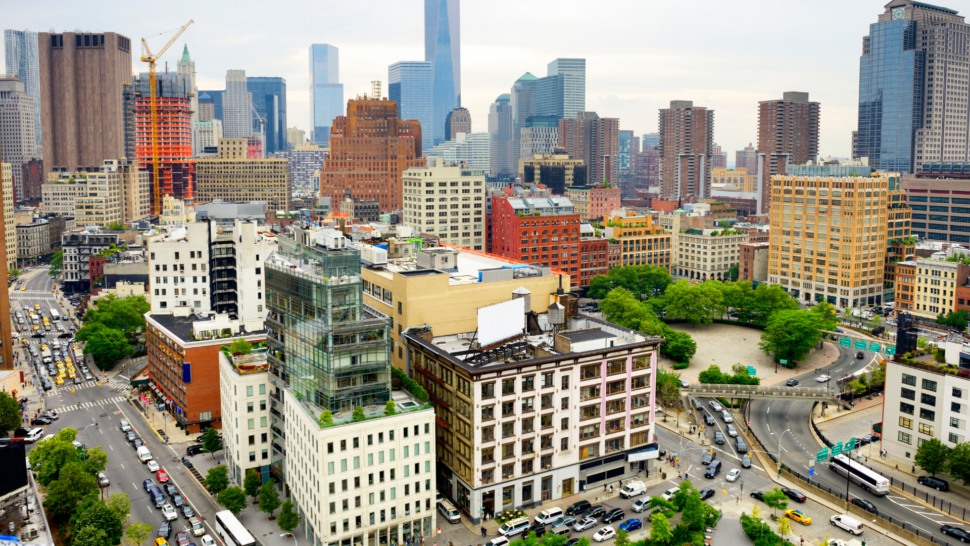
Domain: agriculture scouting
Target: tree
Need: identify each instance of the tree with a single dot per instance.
(217, 479)
(856, 387)
(108, 346)
(269, 499)
(289, 519)
(698, 304)
(826, 316)
(240, 347)
(252, 482)
(126, 315)
(660, 531)
(693, 509)
(620, 307)
(233, 498)
(96, 460)
(734, 272)
(120, 504)
(10, 416)
(784, 527)
(90, 536)
(116, 226)
(358, 414)
(57, 264)
(958, 463)
(599, 287)
(583, 541)
(622, 538)
(326, 419)
(712, 376)
(390, 408)
(211, 442)
(137, 534)
(54, 459)
(956, 319)
(679, 346)
(95, 513)
(931, 456)
(764, 301)
(65, 493)
(776, 499)
(668, 389)
(878, 375)
(790, 335)
(14, 272)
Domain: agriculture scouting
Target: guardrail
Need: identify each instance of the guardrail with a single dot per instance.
(706, 390)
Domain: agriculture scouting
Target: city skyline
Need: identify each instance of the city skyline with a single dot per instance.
(629, 76)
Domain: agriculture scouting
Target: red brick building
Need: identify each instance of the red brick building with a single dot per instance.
(614, 255)
(96, 267)
(593, 260)
(537, 230)
(788, 127)
(183, 367)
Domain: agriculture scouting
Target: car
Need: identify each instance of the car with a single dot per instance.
(187, 511)
(178, 500)
(733, 475)
(684, 384)
(194, 449)
(164, 529)
(718, 437)
(956, 532)
(103, 479)
(577, 508)
(88, 376)
(726, 416)
(130, 435)
(51, 415)
(153, 466)
(615, 514)
(715, 406)
(760, 495)
(709, 457)
(168, 511)
(604, 534)
(631, 524)
(740, 445)
(197, 528)
(595, 511)
(40, 421)
(706, 493)
(746, 461)
(182, 538)
(162, 476)
(137, 443)
(641, 504)
(860, 355)
(791, 383)
(572, 541)
(869, 438)
(208, 541)
(538, 528)
(935, 483)
(799, 516)
(170, 489)
(669, 494)
(148, 484)
(564, 521)
(498, 541)
(865, 505)
(731, 431)
(794, 494)
(583, 524)
(708, 420)
(822, 378)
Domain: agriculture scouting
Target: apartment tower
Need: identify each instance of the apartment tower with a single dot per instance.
(686, 145)
(596, 141)
(17, 140)
(788, 127)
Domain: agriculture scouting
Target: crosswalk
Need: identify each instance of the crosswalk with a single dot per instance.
(114, 384)
(84, 405)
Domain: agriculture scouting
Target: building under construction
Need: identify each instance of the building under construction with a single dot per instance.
(176, 167)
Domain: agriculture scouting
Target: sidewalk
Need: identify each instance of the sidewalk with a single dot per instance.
(836, 412)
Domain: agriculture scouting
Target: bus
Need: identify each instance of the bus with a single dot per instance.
(866, 478)
(55, 316)
(231, 532)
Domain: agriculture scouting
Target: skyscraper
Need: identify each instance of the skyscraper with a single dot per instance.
(20, 49)
(83, 78)
(539, 136)
(525, 104)
(442, 46)
(17, 141)
(686, 142)
(625, 161)
(650, 140)
(596, 141)
(788, 126)
(747, 159)
(411, 85)
(186, 70)
(502, 156)
(326, 93)
(718, 158)
(269, 98)
(572, 75)
(373, 149)
(237, 120)
(459, 121)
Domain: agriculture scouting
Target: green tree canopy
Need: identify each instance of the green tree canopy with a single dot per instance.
(957, 319)
(697, 304)
(123, 314)
(252, 483)
(644, 281)
(622, 308)
(734, 272)
(107, 345)
(269, 498)
(120, 504)
(958, 463)
(57, 264)
(66, 492)
(668, 388)
(764, 301)
(776, 499)
(233, 498)
(678, 346)
(211, 442)
(137, 534)
(217, 479)
(10, 416)
(90, 536)
(660, 532)
(932, 455)
(826, 316)
(94, 513)
(241, 347)
(790, 334)
(289, 518)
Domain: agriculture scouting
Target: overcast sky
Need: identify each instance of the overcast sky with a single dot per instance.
(639, 54)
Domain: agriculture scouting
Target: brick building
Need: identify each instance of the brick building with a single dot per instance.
(176, 170)
(369, 150)
(593, 260)
(788, 127)
(686, 145)
(754, 261)
(537, 231)
(594, 202)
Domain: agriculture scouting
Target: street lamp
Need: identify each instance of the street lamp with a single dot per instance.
(779, 447)
(291, 534)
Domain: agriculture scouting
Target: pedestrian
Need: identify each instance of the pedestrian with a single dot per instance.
(914, 469)
(737, 501)
(611, 490)
(483, 531)
(604, 488)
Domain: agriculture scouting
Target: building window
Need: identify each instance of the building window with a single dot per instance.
(906, 438)
(909, 380)
(926, 429)
(908, 394)
(927, 399)
(908, 409)
(906, 423)
(954, 422)
(929, 385)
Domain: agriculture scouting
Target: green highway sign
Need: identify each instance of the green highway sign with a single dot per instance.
(783, 361)
(860, 344)
(890, 351)
(837, 449)
(752, 371)
(849, 446)
(822, 455)
(845, 342)
(874, 347)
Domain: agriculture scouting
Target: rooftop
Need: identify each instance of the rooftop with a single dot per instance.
(185, 327)
(470, 267)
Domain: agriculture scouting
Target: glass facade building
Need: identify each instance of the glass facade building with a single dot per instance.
(442, 46)
(20, 50)
(411, 85)
(330, 350)
(890, 96)
(269, 98)
(623, 161)
(570, 75)
(326, 93)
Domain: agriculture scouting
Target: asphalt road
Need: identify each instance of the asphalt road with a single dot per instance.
(771, 418)
(107, 406)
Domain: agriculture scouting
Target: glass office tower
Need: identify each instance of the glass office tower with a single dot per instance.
(411, 85)
(571, 81)
(890, 96)
(442, 46)
(326, 93)
(20, 50)
(269, 98)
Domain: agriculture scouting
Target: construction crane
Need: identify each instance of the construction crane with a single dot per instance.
(150, 58)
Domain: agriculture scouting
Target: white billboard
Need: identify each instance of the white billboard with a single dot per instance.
(501, 321)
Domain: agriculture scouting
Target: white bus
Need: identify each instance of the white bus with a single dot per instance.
(867, 479)
(55, 316)
(231, 532)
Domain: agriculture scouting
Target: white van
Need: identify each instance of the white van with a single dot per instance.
(34, 435)
(549, 515)
(849, 524)
(144, 455)
(632, 489)
(514, 527)
(449, 511)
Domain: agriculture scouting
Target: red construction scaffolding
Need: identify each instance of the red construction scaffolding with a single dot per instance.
(176, 166)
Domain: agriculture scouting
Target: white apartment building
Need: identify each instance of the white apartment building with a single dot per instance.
(707, 254)
(244, 387)
(447, 200)
(921, 402)
(207, 135)
(203, 267)
(175, 212)
(78, 246)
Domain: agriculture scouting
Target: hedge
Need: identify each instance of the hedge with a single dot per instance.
(410, 385)
(681, 365)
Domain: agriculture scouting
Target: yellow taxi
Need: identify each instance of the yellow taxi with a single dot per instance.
(59, 380)
(71, 374)
(36, 327)
(23, 288)
(799, 516)
(43, 346)
(160, 541)
(36, 307)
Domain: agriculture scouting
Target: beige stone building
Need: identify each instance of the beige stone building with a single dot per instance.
(61, 190)
(17, 141)
(175, 212)
(443, 195)
(104, 202)
(33, 241)
(708, 253)
(10, 222)
(295, 137)
(233, 177)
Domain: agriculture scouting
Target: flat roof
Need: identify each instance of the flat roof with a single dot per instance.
(587, 335)
(181, 327)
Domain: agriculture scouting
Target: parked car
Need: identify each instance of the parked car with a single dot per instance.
(822, 378)
(538, 528)
(577, 508)
(564, 521)
(178, 500)
(194, 449)
(760, 495)
(147, 484)
(955, 532)
(799, 516)
(791, 383)
(733, 475)
(583, 524)
(641, 504)
(669, 494)
(706, 493)
(794, 495)
(604, 534)
(615, 514)
(631, 524)
(137, 443)
(935, 483)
